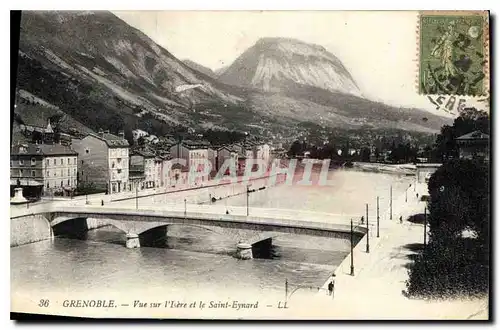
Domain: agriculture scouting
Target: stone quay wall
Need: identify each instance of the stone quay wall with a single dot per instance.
(29, 229)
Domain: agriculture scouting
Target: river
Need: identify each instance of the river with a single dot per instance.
(198, 259)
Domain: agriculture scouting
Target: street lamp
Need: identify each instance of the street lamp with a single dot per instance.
(378, 219)
(185, 208)
(425, 226)
(248, 192)
(352, 250)
(136, 197)
(367, 232)
(390, 205)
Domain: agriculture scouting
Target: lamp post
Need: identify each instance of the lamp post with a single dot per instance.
(136, 197)
(286, 289)
(367, 232)
(378, 219)
(406, 195)
(425, 226)
(352, 250)
(390, 205)
(185, 208)
(248, 193)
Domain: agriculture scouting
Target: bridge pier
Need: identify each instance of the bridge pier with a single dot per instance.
(244, 251)
(132, 241)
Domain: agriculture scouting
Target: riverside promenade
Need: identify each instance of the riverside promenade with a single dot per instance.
(375, 290)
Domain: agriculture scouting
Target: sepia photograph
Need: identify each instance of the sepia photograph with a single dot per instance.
(250, 165)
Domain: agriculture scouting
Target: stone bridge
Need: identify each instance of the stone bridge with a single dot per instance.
(151, 224)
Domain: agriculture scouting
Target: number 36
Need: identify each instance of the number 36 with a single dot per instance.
(43, 303)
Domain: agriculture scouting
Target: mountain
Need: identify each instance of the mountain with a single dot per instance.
(200, 68)
(106, 74)
(218, 72)
(99, 72)
(293, 79)
(272, 64)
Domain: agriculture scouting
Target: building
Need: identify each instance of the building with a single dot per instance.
(226, 153)
(144, 161)
(425, 170)
(44, 169)
(195, 153)
(474, 145)
(263, 152)
(103, 161)
(212, 158)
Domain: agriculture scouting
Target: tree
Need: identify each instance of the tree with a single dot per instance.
(365, 154)
(129, 136)
(459, 194)
(452, 264)
(469, 120)
(141, 141)
(295, 149)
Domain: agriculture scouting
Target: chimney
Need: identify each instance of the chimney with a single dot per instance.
(121, 134)
(101, 132)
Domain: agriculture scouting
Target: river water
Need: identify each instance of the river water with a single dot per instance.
(196, 258)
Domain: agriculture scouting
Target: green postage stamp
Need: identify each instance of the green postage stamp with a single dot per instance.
(454, 53)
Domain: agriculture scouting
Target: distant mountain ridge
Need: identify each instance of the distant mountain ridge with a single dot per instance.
(104, 73)
(272, 63)
(198, 67)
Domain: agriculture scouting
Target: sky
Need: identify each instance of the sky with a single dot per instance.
(379, 49)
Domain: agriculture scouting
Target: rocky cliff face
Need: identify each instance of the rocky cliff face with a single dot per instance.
(273, 64)
(82, 60)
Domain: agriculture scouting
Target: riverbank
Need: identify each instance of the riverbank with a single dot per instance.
(405, 169)
(375, 290)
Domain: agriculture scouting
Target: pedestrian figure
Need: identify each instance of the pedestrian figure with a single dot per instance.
(417, 195)
(401, 219)
(330, 288)
(102, 202)
(362, 220)
(227, 211)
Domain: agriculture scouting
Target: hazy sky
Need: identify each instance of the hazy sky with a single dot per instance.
(378, 48)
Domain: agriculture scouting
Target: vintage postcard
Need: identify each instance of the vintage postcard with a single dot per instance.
(271, 165)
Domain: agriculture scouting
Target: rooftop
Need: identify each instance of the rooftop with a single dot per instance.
(42, 149)
(476, 135)
(143, 152)
(111, 140)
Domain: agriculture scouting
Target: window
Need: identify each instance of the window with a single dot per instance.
(62, 173)
(48, 162)
(74, 171)
(119, 171)
(48, 173)
(48, 185)
(55, 174)
(33, 174)
(62, 161)
(119, 160)
(69, 173)
(82, 162)
(21, 162)
(113, 165)
(74, 161)
(69, 161)
(21, 173)
(61, 183)
(74, 182)
(68, 182)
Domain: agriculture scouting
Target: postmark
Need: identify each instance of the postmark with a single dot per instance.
(453, 53)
